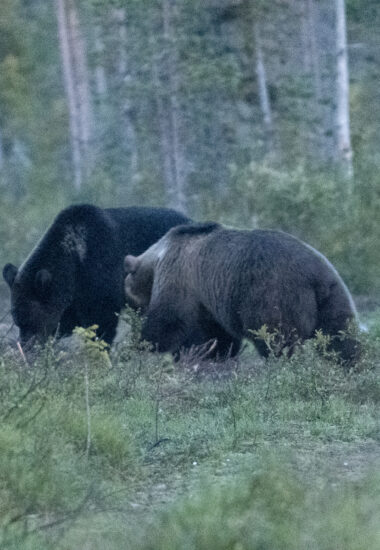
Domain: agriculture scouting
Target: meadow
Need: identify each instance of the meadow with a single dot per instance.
(129, 449)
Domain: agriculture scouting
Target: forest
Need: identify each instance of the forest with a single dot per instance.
(252, 113)
(240, 111)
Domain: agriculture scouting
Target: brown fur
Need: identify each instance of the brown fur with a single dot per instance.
(205, 275)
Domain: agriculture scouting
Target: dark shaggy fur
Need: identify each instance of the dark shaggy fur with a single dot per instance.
(74, 276)
(205, 275)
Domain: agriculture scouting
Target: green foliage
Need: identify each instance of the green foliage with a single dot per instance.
(161, 431)
(320, 208)
(39, 474)
(359, 10)
(104, 450)
(111, 442)
(270, 510)
(234, 173)
(94, 348)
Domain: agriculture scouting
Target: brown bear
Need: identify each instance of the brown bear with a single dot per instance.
(74, 276)
(204, 275)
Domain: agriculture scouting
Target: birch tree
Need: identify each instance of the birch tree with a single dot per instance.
(265, 105)
(177, 192)
(128, 130)
(164, 127)
(69, 83)
(1, 151)
(100, 74)
(165, 77)
(314, 69)
(76, 82)
(314, 51)
(343, 138)
(82, 85)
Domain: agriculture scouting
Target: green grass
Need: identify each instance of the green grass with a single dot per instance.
(251, 454)
(268, 510)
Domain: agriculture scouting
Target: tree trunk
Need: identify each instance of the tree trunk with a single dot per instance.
(177, 193)
(314, 53)
(82, 86)
(343, 139)
(163, 123)
(263, 90)
(165, 76)
(76, 82)
(321, 36)
(100, 75)
(128, 128)
(315, 69)
(1, 151)
(69, 83)
(305, 37)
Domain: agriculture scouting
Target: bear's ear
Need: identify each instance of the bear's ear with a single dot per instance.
(131, 264)
(9, 274)
(42, 283)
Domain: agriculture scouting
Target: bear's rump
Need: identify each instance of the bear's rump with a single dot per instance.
(293, 311)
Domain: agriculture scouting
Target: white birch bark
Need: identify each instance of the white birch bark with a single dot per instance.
(262, 81)
(128, 129)
(163, 122)
(305, 37)
(321, 124)
(82, 85)
(177, 194)
(1, 151)
(343, 138)
(263, 88)
(69, 84)
(314, 53)
(100, 75)
(315, 71)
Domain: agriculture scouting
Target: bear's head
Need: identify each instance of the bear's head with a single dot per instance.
(138, 281)
(160, 322)
(140, 270)
(159, 259)
(159, 283)
(34, 304)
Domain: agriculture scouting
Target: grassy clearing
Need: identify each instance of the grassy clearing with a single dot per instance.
(135, 451)
(268, 510)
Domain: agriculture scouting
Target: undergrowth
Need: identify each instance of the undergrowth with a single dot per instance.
(211, 455)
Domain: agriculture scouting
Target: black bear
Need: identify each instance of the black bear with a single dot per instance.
(205, 275)
(74, 276)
